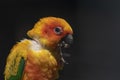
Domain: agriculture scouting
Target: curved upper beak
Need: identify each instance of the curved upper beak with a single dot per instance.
(67, 41)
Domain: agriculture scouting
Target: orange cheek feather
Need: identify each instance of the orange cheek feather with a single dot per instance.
(48, 33)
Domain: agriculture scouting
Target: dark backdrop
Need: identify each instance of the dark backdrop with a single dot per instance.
(96, 24)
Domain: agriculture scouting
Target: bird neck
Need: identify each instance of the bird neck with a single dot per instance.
(55, 51)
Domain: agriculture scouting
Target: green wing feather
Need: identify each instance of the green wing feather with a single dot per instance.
(16, 61)
(20, 71)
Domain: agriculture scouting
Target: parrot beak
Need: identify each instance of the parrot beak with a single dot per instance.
(66, 41)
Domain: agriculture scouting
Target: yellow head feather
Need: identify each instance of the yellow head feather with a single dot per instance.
(43, 30)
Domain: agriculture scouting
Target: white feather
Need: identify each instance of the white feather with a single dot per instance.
(35, 45)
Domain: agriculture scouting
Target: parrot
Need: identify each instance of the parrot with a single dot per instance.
(40, 56)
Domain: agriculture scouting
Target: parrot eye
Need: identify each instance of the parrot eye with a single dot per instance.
(58, 30)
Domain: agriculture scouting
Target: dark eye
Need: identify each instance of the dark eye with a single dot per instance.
(58, 30)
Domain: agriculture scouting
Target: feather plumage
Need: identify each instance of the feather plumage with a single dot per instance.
(39, 58)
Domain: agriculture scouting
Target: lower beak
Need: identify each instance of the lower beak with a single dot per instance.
(67, 41)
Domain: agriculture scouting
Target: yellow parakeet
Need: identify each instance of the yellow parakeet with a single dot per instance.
(39, 58)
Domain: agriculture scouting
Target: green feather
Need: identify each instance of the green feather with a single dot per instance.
(20, 71)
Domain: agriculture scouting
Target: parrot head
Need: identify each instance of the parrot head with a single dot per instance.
(52, 32)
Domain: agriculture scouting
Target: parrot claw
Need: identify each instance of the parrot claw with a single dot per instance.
(61, 53)
(64, 61)
(63, 44)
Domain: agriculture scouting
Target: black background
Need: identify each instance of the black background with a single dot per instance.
(95, 54)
